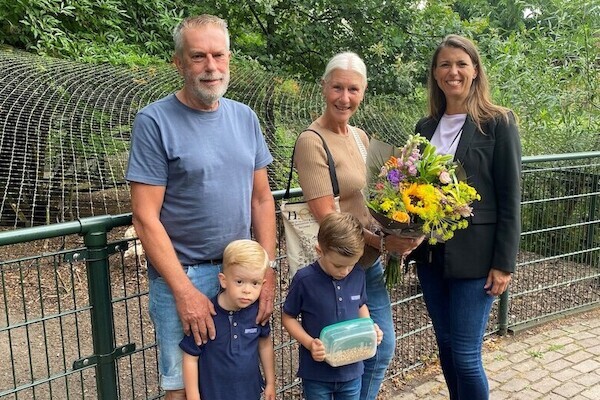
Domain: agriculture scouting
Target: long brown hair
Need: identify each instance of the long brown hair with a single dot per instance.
(479, 103)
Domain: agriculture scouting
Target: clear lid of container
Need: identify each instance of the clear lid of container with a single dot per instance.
(349, 341)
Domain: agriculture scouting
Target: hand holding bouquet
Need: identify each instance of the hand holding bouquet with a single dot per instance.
(414, 191)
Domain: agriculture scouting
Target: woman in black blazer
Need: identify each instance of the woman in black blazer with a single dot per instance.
(460, 278)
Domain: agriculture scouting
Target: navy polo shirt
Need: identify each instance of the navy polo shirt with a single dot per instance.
(321, 301)
(232, 357)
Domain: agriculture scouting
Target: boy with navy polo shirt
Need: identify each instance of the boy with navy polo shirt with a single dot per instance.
(328, 291)
(228, 367)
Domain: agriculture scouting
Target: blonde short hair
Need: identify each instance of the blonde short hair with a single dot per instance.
(198, 21)
(343, 233)
(245, 253)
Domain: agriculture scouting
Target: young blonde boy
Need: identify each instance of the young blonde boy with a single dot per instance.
(228, 367)
(327, 291)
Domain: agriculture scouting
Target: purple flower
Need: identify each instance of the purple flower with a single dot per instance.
(394, 177)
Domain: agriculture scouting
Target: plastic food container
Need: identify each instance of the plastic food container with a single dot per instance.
(349, 341)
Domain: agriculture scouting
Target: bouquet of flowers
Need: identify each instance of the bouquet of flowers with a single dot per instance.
(413, 191)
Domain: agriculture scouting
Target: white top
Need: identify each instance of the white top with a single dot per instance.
(448, 132)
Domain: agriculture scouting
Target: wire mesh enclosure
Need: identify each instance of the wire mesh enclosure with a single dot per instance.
(65, 129)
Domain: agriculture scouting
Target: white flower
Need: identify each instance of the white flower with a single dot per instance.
(445, 177)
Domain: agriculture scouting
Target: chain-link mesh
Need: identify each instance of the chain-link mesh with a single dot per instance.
(65, 129)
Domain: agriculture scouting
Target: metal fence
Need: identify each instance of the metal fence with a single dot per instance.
(73, 296)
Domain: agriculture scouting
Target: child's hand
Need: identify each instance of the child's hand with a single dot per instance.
(317, 350)
(379, 333)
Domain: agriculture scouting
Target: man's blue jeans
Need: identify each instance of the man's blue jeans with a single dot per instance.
(317, 390)
(459, 310)
(167, 324)
(378, 302)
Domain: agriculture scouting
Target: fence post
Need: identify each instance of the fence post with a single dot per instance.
(102, 317)
(592, 215)
(503, 314)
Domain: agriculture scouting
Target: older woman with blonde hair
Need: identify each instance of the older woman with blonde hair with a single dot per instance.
(344, 83)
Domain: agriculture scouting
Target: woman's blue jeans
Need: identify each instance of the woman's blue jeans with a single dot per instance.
(378, 302)
(459, 310)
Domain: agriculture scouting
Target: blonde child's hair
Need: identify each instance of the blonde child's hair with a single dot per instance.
(343, 233)
(245, 253)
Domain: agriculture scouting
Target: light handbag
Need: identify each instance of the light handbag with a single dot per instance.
(300, 226)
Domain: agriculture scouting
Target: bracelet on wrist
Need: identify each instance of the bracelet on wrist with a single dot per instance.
(382, 249)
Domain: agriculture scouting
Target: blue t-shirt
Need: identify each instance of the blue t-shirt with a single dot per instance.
(321, 301)
(229, 366)
(206, 161)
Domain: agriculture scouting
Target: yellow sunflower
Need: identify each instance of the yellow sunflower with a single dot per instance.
(420, 199)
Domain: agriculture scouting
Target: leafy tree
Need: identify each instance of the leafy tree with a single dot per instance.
(541, 55)
(118, 31)
(549, 74)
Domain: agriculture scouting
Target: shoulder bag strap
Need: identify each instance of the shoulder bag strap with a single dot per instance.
(330, 163)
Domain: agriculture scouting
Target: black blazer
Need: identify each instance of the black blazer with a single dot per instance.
(492, 162)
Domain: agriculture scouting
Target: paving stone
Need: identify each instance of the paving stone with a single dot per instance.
(594, 349)
(561, 341)
(505, 376)
(499, 395)
(592, 393)
(493, 385)
(496, 355)
(589, 343)
(515, 347)
(587, 366)
(519, 358)
(566, 374)
(554, 333)
(574, 328)
(552, 356)
(569, 389)
(554, 396)
(535, 375)
(579, 356)
(528, 365)
(587, 380)
(558, 365)
(569, 348)
(532, 340)
(515, 385)
(527, 394)
(497, 365)
(427, 388)
(545, 385)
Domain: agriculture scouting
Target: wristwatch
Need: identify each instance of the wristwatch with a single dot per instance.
(273, 264)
